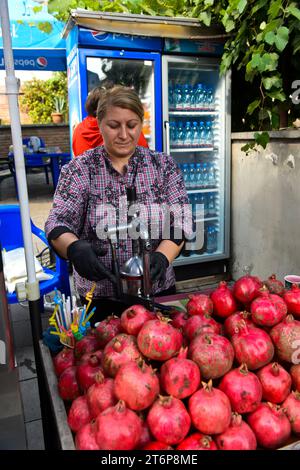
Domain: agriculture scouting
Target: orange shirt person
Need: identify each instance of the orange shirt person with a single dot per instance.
(86, 134)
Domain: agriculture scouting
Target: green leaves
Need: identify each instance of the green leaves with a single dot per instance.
(262, 139)
(265, 62)
(273, 81)
(293, 10)
(252, 106)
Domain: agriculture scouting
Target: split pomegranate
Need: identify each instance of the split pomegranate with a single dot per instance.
(179, 376)
(179, 320)
(213, 354)
(158, 339)
(239, 436)
(292, 407)
(87, 373)
(67, 384)
(137, 385)
(274, 285)
(100, 395)
(120, 350)
(210, 410)
(286, 337)
(168, 420)
(243, 389)
(199, 304)
(223, 300)
(118, 428)
(107, 329)
(85, 439)
(270, 425)
(252, 346)
(63, 360)
(87, 344)
(295, 374)
(197, 441)
(79, 414)
(231, 323)
(276, 382)
(292, 300)
(246, 288)
(133, 318)
(197, 325)
(268, 309)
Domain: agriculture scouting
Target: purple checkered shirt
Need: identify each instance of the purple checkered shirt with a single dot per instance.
(90, 181)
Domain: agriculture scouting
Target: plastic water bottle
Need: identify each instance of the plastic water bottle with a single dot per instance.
(211, 181)
(202, 134)
(173, 134)
(180, 134)
(192, 175)
(195, 134)
(198, 176)
(198, 97)
(210, 99)
(204, 98)
(211, 209)
(178, 97)
(171, 96)
(186, 97)
(210, 239)
(209, 134)
(188, 135)
(204, 176)
(185, 174)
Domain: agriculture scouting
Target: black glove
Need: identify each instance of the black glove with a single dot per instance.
(158, 267)
(83, 255)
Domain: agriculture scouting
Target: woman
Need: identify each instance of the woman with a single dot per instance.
(100, 178)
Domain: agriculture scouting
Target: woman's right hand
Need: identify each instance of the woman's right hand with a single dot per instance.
(84, 258)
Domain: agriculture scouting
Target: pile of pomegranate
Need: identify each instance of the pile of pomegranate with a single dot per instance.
(223, 375)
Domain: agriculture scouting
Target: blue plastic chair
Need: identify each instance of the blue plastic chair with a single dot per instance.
(11, 237)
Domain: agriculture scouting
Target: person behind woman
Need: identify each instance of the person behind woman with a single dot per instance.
(86, 134)
(100, 178)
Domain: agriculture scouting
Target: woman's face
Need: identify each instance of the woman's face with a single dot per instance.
(120, 129)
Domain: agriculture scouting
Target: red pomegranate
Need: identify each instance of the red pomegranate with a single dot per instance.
(223, 300)
(85, 439)
(292, 407)
(197, 441)
(231, 323)
(179, 320)
(145, 436)
(133, 318)
(210, 410)
(213, 354)
(199, 304)
(197, 325)
(120, 350)
(118, 428)
(292, 300)
(179, 376)
(100, 395)
(168, 420)
(87, 344)
(246, 288)
(252, 346)
(79, 414)
(155, 445)
(239, 436)
(270, 425)
(268, 309)
(274, 285)
(87, 373)
(276, 382)
(67, 384)
(158, 339)
(85, 359)
(107, 329)
(137, 385)
(295, 374)
(63, 360)
(286, 337)
(243, 389)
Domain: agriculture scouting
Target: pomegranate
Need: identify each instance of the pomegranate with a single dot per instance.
(197, 441)
(268, 309)
(252, 346)
(231, 323)
(197, 325)
(168, 420)
(292, 408)
(243, 389)
(85, 359)
(179, 320)
(246, 288)
(213, 353)
(223, 300)
(210, 410)
(286, 337)
(295, 374)
(158, 339)
(107, 329)
(120, 350)
(67, 384)
(199, 304)
(276, 382)
(63, 360)
(145, 436)
(292, 300)
(79, 414)
(87, 344)
(136, 384)
(85, 439)
(118, 428)
(270, 425)
(239, 436)
(274, 285)
(155, 445)
(133, 318)
(101, 395)
(179, 376)
(87, 373)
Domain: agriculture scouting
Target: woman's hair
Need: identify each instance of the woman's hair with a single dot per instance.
(92, 100)
(122, 97)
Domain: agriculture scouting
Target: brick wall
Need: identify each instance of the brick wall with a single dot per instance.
(52, 134)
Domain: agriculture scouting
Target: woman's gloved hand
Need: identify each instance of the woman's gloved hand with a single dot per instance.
(83, 256)
(158, 266)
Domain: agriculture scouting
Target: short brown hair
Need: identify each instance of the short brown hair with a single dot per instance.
(92, 100)
(122, 97)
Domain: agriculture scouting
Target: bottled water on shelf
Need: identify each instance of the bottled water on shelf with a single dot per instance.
(209, 138)
(180, 135)
(211, 239)
(178, 97)
(211, 205)
(202, 134)
(210, 100)
(195, 134)
(198, 176)
(204, 178)
(188, 135)
(211, 179)
(198, 97)
(187, 97)
(171, 96)
(192, 175)
(173, 134)
(185, 173)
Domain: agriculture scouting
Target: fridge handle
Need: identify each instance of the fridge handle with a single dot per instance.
(167, 127)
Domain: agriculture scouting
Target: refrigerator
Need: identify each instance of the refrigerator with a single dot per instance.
(187, 115)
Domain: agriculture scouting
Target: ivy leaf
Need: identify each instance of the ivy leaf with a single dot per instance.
(270, 38)
(262, 139)
(282, 38)
(293, 11)
(252, 106)
(269, 62)
(273, 81)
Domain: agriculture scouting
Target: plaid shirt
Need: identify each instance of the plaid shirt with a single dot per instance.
(90, 181)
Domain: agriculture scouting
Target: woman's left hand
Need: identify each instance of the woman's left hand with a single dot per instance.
(158, 266)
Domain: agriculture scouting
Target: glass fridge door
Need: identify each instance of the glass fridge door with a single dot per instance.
(196, 127)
